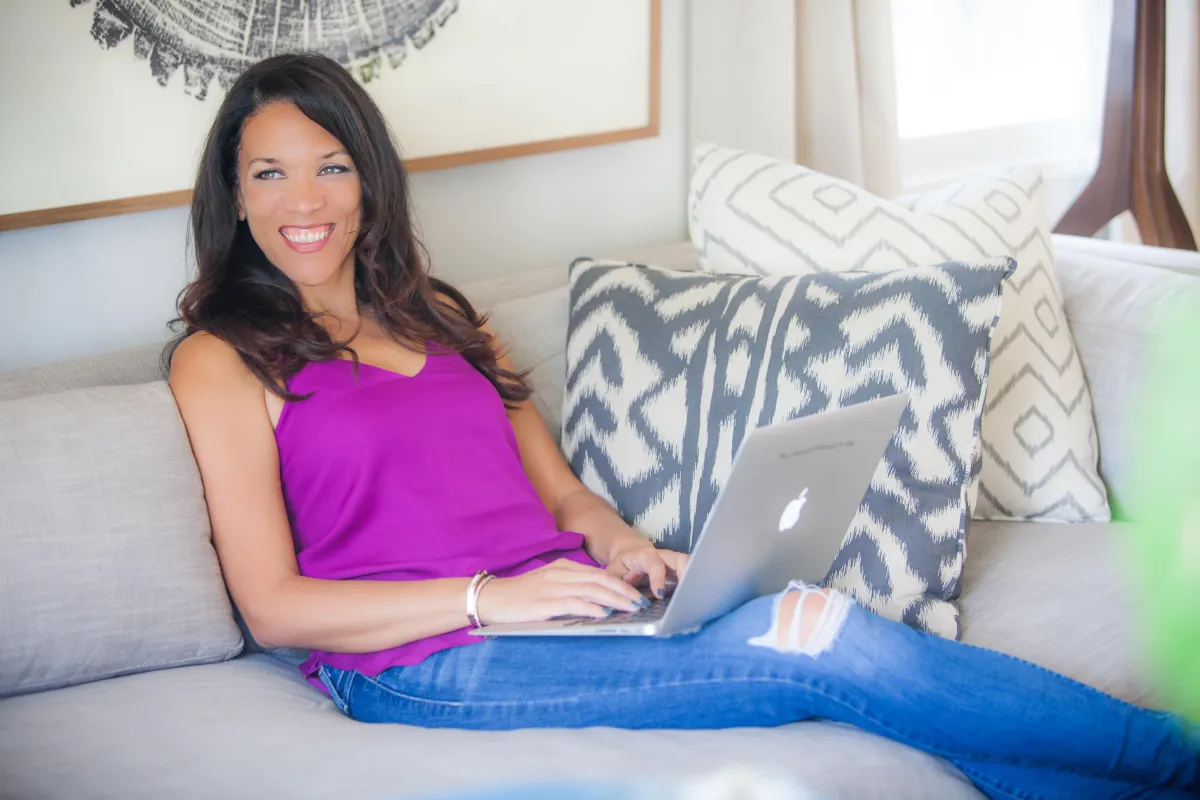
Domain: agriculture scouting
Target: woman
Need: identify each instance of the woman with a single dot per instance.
(368, 451)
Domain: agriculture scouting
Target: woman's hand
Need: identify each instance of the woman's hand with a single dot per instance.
(634, 559)
(560, 588)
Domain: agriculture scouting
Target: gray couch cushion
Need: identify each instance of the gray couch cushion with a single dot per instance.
(1114, 308)
(252, 728)
(534, 329)
(118, 368)
(106, 566)
(1055, 595)
(484, 295)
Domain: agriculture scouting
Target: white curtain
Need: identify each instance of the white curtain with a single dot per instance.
(846, 92)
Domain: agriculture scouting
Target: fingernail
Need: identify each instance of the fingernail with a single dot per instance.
(607, 611)
(661, 593)
(642, 601)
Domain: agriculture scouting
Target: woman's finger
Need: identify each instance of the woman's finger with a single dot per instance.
(621, 572)
(616, 570)
(579, 608)
(601, 578)
(656, 568)
(676, 561)
(601, 595)
(633, 575)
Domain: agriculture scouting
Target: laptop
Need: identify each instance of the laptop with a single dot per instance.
(791, 495)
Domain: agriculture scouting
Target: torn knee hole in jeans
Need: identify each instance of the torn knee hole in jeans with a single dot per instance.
(805, 619)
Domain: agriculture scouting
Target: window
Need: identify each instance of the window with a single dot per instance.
(984, 83)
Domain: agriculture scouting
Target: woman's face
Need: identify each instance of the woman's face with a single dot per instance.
(300, 193)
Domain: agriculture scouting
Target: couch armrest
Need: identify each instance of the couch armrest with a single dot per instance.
(1113, 307)
(1184, 261)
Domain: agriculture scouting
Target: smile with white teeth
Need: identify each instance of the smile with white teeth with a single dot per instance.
(306, 235)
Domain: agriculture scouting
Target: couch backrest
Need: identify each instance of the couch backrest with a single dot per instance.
(1111, 305)
(116, 368)
(521, 308)
(1113, 308)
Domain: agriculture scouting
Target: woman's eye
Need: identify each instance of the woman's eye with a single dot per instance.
(332, 169)
(268, 174)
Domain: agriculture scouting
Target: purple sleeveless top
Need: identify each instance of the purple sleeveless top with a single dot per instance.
(394, 478)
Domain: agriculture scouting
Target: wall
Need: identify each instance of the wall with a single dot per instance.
(743, 77)
(87, 287)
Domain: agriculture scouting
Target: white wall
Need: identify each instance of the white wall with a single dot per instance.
(743, 76)
(86, 287)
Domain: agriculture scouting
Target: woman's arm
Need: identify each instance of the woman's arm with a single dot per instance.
(574, 506)
(608, 539)
(224, 410)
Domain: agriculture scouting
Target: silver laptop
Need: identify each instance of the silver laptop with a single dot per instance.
(791, 495)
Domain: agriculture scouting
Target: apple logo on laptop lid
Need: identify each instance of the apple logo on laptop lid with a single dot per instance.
(791, 512)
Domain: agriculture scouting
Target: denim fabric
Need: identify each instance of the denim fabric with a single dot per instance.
(334, 681)
(1016, 729)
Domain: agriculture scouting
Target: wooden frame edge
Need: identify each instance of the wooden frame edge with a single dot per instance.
(103, 208)
(182, 197)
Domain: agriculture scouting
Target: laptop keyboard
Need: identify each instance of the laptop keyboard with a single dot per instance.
(642, 615)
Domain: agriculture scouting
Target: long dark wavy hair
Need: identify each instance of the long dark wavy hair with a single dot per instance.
(243, 299)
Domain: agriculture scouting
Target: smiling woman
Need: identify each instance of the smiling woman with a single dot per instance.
(301, 207)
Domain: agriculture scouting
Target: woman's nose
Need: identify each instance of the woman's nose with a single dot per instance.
(305, 196)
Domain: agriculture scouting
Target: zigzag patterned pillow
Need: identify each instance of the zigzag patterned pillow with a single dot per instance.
(667, 370)
(751, 214)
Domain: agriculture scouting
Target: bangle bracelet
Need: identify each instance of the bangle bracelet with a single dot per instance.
(473, 588)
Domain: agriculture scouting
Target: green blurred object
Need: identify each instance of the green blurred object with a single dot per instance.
(1165, 544)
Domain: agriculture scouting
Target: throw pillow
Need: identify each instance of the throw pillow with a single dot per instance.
(106, 567)
(751, 214)
(666, 370)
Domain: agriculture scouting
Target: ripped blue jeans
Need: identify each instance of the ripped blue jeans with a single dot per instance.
(1015, 729)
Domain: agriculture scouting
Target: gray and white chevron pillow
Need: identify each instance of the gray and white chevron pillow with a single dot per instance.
(666, 370)
(750, 214)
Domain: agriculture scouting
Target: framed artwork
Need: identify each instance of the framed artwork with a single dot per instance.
(107, 102)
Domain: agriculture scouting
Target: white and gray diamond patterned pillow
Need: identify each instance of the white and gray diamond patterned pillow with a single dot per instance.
(750, 214)
(662, 365)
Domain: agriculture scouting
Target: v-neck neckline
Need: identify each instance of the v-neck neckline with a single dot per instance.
(417, 374)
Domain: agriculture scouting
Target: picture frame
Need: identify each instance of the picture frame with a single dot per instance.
(560, 76)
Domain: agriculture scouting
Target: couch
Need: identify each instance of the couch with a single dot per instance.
(249, 726)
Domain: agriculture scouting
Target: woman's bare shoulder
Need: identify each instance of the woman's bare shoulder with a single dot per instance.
(203, 361)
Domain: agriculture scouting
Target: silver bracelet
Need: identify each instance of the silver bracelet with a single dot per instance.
(473, 589)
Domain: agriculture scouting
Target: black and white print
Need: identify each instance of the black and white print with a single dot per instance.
(667, 371)
(219, 38)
